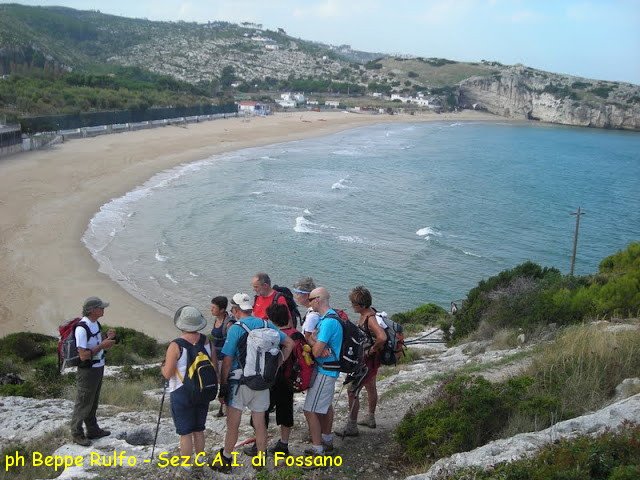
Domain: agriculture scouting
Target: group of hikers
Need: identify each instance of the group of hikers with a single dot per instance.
(256, 358)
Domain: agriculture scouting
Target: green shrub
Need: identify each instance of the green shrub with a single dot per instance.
(27, 389)
(496, 298)
(427, 314)
(529, 295)
(26, 345)
(465, 413)
(610, 456)
(132, 347)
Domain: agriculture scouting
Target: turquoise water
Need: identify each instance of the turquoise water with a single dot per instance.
(416, 212)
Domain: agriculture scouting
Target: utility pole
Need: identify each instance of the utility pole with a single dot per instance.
(575, 239)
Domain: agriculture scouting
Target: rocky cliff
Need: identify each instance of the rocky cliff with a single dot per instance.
(521, 92)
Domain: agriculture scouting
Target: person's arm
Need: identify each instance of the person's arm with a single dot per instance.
(170, 364)
(88, 353)
(318, 349)
(378, 333)
(214, 358)
(287, 347)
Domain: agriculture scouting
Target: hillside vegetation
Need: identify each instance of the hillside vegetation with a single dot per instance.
(42, 45)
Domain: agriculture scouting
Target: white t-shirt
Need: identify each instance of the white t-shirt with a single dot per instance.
(92, 342)
(310, 321)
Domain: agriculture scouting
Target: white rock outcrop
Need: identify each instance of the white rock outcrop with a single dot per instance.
(527, 444)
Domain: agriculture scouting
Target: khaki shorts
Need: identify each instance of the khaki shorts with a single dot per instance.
(242, 397)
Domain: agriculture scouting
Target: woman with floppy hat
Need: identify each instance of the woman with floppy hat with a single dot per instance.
(189, 412)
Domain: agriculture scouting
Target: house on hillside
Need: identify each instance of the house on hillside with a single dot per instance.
(332, 103)
(250, 107)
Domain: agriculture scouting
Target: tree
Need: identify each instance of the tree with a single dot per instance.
(228, 76)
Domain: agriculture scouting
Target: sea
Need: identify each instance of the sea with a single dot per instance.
(417, 213)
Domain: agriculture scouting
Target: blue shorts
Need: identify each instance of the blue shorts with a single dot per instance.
(187, 416)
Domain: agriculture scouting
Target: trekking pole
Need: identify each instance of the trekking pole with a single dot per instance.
(155, 439)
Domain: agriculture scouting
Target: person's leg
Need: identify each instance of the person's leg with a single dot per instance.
(186, 445)
(91, 420)
(260, 428)
(198, 442)
(372, 396)
(315, 428)
(233, 424)
(354, 405)
(83, 403)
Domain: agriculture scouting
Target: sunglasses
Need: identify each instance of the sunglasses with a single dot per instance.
(311, 299)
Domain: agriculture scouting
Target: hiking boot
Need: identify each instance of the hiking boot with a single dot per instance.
(279, 447)
(80, 439)
(251, 450)
(311, 452)
(369, 421)
(98, 434)
(328, 447)
(223, 465)
(349, 430)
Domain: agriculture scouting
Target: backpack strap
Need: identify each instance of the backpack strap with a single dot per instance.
(183, 344)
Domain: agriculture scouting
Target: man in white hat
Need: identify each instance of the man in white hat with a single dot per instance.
(237, 395)
(91, 348)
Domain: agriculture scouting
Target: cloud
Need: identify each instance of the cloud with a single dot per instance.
(328, 9)
(526, 16)
(441, 12)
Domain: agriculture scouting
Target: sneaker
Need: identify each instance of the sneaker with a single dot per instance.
(80, 439)
(311, 452)
(251, 450)
(328, 447)
(369, 421)
(224, 466)
(98, 434)
(350, 430)
(279, 447)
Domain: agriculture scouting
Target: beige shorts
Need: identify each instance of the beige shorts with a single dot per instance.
(242, 397)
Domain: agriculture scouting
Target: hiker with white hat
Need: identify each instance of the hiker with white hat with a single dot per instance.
(190, 393)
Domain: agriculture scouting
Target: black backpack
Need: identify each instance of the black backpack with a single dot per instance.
(352, 350)
(200, 378)
(291, 303)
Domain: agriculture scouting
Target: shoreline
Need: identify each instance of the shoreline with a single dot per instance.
(48, 197)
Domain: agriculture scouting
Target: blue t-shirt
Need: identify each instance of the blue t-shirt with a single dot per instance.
(329, 331)
(236, 332)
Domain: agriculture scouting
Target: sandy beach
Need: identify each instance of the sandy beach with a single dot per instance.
(48, 197)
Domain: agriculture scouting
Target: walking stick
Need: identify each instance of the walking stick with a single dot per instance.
(155, 439)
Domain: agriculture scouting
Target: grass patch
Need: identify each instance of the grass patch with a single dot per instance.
(46, 444)
(398, 390)
(584, 365)
(610, 456)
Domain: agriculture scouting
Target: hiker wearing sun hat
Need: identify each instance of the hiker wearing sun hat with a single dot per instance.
(91, 349)
(190, 392)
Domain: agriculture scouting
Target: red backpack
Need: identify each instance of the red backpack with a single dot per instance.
(67, 349)
(298, 368)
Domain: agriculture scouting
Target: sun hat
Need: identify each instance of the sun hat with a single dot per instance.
(189, 319)
(91, 303)
(243, 301)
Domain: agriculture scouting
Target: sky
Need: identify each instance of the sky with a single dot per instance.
(598, 39)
